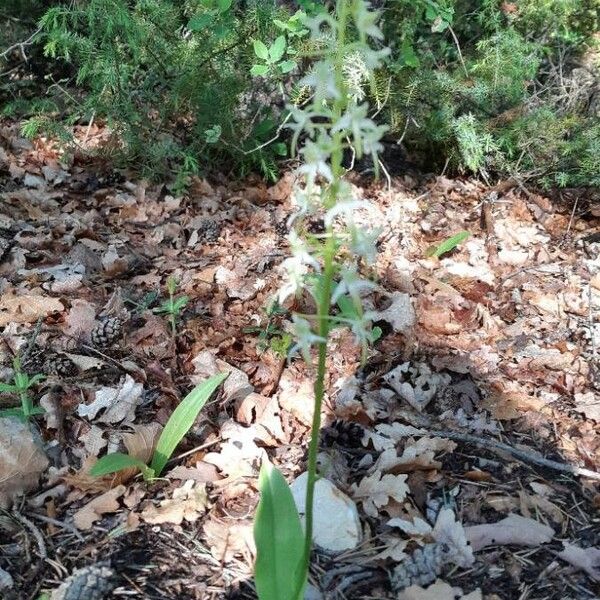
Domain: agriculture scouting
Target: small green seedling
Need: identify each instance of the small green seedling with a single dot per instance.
(173, 306)
(271, 58)
(145, 303)
(21, 385)
(449, 244)
(271, 336)
(177, 426)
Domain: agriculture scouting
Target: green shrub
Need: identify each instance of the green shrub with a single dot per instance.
(171, 79)
(472, 84)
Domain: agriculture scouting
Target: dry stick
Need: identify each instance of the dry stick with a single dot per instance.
(520, 454)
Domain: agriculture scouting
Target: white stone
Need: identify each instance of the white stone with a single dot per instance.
(336, 526)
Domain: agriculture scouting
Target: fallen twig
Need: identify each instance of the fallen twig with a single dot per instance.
(520, 454)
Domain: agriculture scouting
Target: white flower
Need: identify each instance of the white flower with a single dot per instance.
(296, 267)
(363, 243)
(305, 338)
(365, 20)
(353, 285)
(316, 157)
(345, 208)
(322, 79)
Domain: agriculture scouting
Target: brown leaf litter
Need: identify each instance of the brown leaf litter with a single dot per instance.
(484, 382)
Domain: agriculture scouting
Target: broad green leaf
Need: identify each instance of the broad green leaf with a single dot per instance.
(200, 22)
(287, 65)
(449, 244)
(258, 70)
(224, 5)
(7, 387)
(182, 419)
(277, 49)
(408, 55)
(117, 461)
(278, 536)
(261, 50)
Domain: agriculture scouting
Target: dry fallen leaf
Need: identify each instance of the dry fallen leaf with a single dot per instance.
(230, 538)
(120, 403)
(141, 443)
(514, 529)
(26, 308)
(188, 502)
(586, 559)
(22, 459)
(376, 491)
(439, 590)
(87, 515)
(450, 532)
(400, 314)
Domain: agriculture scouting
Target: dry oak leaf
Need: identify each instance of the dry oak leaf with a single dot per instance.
(120, 403)
(586, 559)
(26, 308)
(450, 532)
(141, 442)
(188, 502)
(514, 529)
(85, 517)
(439, 590)
(22, 459)
(229, 538)
(419, 456)
(375, 491)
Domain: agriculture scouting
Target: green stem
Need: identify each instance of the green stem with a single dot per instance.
(323, 308)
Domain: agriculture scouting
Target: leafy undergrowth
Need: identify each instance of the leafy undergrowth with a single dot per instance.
(486, 339)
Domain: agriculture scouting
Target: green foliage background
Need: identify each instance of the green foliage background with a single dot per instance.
(476, 85)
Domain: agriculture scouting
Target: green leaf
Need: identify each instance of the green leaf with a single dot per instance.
(449, 244)
(182, 419)
(13, 412)
(261, 50)
(224, 5)
(180, 303)
(117, 461)
(286, 66)
(200, 22)
(259, 70)
(7, 387)
(277, 48)
(408, 55)
(278, 536)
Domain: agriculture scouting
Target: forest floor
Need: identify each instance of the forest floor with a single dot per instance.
(494, 342)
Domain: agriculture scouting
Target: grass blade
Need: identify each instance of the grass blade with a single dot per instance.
(449, 244)
(279, 538)
(182, 419)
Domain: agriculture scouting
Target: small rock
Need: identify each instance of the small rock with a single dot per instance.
(336, 524)
(22, 459)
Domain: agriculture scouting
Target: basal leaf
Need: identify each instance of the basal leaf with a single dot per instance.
(261, 50)
(277, 49)
(182, 419)
(258, 70)
(117, 461)
(279, 538)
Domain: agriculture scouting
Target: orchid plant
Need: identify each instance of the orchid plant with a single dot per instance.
(324, 265)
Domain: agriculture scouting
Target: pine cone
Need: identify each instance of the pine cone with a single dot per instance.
(88, 583)
(107, 332)
(344, 434)
(422, 567)
(209, 230)
(33, 363)
(281, 228)
(59, 364)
